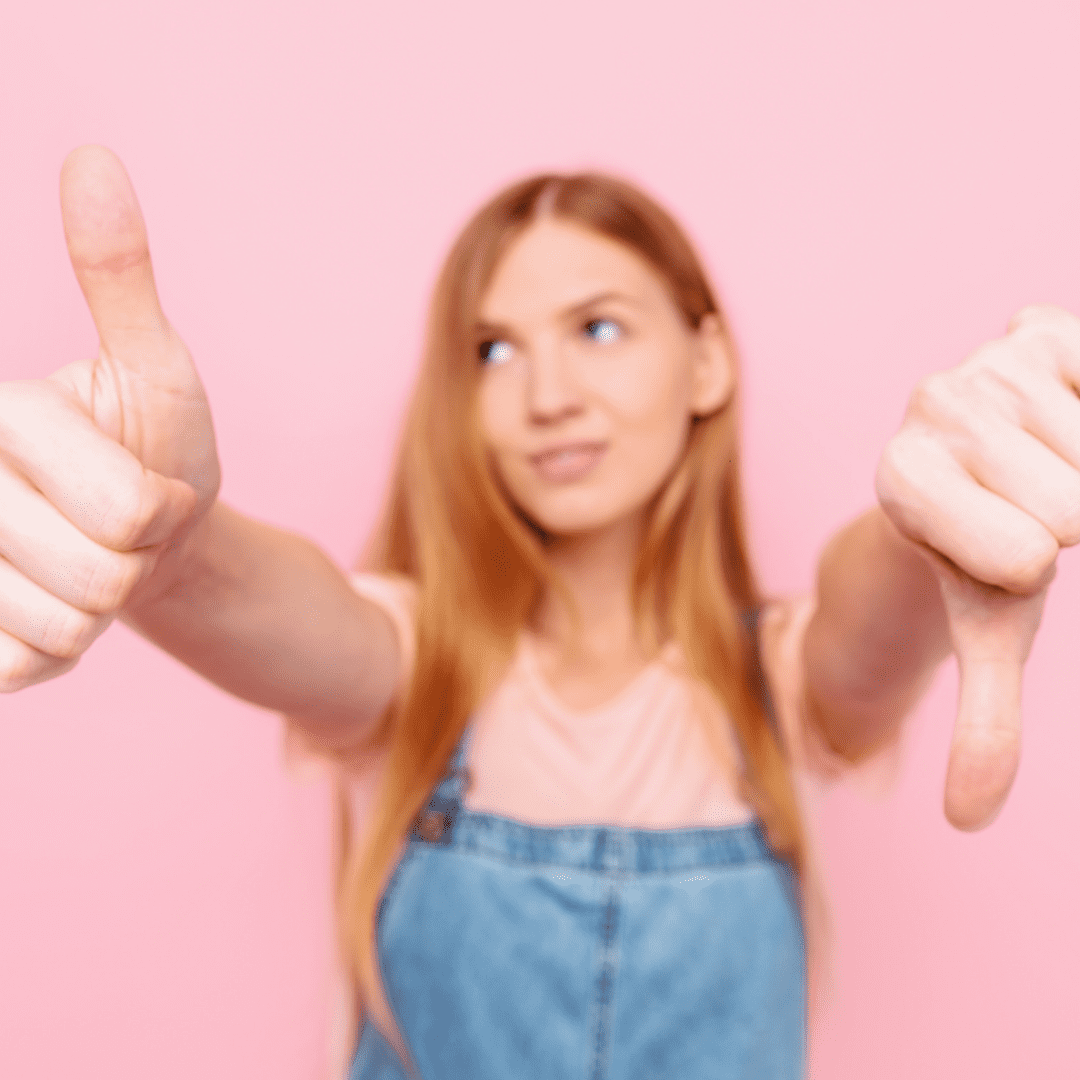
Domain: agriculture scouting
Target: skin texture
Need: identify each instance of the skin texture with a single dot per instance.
(109, 478)
(108, 458)
(624, 373)
(108, 484)
(984, 477)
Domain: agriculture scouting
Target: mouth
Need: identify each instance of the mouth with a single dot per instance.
(565, 464)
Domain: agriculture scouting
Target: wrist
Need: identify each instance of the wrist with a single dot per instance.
(184, 561)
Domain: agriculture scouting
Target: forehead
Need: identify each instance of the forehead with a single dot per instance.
(556, 264)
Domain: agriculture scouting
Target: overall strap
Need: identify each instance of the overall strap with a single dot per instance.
(435, 823)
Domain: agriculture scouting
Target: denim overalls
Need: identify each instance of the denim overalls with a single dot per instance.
(588, 952)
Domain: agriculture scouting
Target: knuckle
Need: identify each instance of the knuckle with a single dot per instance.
(1047, 338)
(1067, 531)
(66, 634)
(996, 372)
(899, 487)
(109, 581)
(889, 471)
(943, 400)
(901, 463)
(1066, 528)
(20, 667)
(12, 405)
(996, 382)
(1003, 382)
(928, 392)
(894, 456)
(997, 358)
(1040, 313)
(1031, 566)
(133, 507)
(36, 669)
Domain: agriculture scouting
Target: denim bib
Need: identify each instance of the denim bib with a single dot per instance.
(587, 952)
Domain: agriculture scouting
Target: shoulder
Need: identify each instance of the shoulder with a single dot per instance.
(782, 627)
(396, 596)
(392, 591)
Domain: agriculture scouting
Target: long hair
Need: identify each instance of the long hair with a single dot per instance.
(480, 568)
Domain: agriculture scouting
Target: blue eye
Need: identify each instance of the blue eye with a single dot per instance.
(603, 330)
(495, 352)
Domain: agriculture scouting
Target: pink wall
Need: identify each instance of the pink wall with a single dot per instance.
(877, 188)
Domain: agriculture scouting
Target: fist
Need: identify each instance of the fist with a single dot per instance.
(108, 463)
(984, 477)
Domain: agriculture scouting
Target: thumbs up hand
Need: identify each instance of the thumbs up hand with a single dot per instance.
(108, 463)
(984, 477)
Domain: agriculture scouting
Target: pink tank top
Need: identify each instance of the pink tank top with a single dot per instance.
(641, 759)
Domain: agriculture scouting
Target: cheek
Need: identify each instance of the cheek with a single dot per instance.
(499, 411)
(649, 393)
(495, 410)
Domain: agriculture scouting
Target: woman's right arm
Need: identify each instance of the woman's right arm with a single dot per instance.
(265, 615)
(108, 508)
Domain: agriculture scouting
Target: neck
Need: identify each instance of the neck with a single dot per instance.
(597, 569)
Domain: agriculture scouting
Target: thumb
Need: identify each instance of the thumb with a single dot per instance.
(992, 631)
(106, 239)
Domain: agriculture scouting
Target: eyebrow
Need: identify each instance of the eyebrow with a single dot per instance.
(568, 312)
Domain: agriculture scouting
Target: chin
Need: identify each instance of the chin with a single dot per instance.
(567, 522)
(577, 509)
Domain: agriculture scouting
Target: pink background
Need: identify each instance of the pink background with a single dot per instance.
(876, 187)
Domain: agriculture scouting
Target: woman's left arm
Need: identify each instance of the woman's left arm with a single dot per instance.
(979, 490)
(878, 633)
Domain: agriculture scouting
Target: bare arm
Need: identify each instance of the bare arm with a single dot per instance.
(265, 615)
(108, 507)
(877, 636)
(978, 493)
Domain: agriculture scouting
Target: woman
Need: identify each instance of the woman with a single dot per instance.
(581, 851)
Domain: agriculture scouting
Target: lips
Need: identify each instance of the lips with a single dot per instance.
(569, 462)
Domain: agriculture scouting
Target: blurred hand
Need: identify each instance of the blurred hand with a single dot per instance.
(107, 464)
(984, 476)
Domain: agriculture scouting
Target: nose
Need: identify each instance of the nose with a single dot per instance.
(553, 392)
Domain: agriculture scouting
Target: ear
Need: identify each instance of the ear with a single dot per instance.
(714, 368)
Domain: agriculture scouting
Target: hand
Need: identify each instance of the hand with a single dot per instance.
(984, 476)
(106, 465)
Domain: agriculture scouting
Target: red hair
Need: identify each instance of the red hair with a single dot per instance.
(480, 569)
